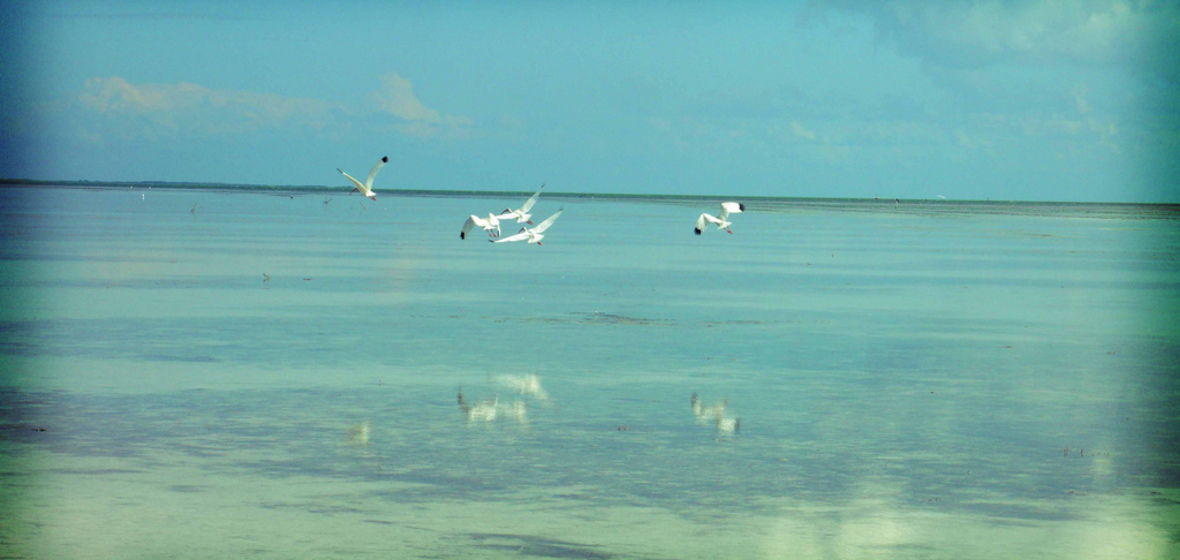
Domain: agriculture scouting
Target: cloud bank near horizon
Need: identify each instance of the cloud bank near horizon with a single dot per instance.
(113, 109)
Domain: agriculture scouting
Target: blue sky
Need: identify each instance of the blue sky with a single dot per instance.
(1017, 100)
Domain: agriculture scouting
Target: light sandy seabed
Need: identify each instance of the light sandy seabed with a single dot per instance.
(278, 377)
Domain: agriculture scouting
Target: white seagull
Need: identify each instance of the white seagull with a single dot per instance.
(722, 222)
(366, 189)
(490, 224)
(522, 214)
(531, 235)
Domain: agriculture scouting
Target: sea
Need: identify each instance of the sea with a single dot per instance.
(252, 372)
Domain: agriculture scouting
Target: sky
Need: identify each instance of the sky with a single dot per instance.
(1049, 100)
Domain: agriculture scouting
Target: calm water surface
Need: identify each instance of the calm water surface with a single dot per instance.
(193, 373)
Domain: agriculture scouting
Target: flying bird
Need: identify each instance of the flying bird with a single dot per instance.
(522, 214)
(722, 222)
(366, 189)
(531, 235)
(490, 224)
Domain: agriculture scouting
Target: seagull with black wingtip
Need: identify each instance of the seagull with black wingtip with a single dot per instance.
(722, 221)
(366, 188)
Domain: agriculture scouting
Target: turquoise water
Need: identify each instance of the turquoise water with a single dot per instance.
(213, 373)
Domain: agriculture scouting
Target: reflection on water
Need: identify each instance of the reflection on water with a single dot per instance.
(528, 545)
(716, 414)
(488, 409)
(359, 434)
(483, 411)
(527, 385)
(963, 382)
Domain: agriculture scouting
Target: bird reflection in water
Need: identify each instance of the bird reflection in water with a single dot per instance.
(359, 434)
(716, 413)
(527, 385)
(488, 410)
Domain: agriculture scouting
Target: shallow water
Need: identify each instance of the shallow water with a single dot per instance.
(207, 373)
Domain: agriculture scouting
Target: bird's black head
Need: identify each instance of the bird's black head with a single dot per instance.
(741, 207)
(696, 231)
(385, 159)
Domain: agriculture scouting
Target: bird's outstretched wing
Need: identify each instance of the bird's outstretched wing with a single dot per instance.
(548, 222)
(373, 172)
(528, 204)
(728, 208)
(470, 223)
(704, 221)
(523, 235)
(358, 184)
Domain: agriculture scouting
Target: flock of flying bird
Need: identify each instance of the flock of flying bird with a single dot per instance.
(491, 224)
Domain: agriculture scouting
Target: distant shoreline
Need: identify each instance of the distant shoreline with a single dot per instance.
(321, 189)
(670, 198)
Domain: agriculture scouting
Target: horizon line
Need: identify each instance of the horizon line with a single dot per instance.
(178, 185)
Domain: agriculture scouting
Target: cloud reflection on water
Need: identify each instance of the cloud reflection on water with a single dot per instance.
(875, 524)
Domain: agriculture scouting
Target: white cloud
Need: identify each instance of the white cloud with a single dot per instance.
(977, 33)
(185, 108)
(395, 96)
(1079, 94)
(1068, 74)
(112, 107)
(799, 130)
